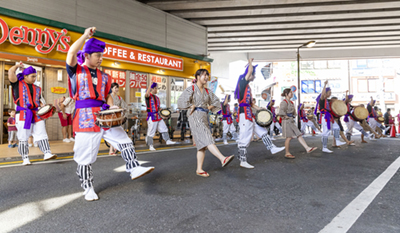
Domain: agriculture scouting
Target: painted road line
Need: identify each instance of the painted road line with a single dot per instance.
(101, 155)
(349, 215)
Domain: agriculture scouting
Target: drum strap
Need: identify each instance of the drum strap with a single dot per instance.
(29, 118)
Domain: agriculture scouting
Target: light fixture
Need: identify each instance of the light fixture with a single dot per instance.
(7, 60)
(309, 44)
(161, 71)
(48, 65)
(196, 61)
(117, 63)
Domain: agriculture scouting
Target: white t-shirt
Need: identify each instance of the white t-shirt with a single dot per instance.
(69, 105)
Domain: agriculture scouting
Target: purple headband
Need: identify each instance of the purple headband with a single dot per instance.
(93, 45)
(237, 95)
(27, 71)
(327, 89)
(374, 101)
(153, 85)
(349, 97)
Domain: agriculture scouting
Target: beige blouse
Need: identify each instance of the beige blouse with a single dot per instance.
(287, 107)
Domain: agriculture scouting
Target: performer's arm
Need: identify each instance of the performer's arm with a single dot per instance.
(347, 96)
(323, 93)
(372, 101)
(147, 95)
(12, 76)
(226, 99)
(77, 45)
(250, 70)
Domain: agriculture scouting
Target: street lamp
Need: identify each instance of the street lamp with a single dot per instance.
(308, 45)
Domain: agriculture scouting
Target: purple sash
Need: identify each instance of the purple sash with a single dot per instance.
(244, 105)
(346, 118)
(328, 117)
(153, 116)
(91, 103)
(29, 119)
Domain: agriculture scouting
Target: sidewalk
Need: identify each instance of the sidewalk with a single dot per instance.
(61, 148)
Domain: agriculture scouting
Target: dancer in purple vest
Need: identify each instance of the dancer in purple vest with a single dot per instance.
(245, 117)
(91, 88)
(227, 120)
(154, 120)
(27, 99)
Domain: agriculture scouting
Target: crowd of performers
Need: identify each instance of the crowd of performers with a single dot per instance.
(90, 88)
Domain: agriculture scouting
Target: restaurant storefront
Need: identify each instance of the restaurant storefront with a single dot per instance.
(133, 67)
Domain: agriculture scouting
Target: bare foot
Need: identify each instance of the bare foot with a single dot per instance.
(363, 141)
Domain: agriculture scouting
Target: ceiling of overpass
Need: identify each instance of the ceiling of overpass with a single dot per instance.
(265, 25)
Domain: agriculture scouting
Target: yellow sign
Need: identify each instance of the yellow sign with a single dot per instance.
(138, 94)
(59, 90)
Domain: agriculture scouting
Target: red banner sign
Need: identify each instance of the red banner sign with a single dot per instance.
(137, 80)
(120, 53)
(117, 76)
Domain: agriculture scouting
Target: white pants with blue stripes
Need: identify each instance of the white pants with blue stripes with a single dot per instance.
(87, 146)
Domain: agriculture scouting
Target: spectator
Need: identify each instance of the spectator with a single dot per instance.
(65, 107)
(12, 129)
(118, 101)
(387, 118)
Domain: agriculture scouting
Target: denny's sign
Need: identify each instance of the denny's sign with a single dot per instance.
(131, 55)
(44, 41)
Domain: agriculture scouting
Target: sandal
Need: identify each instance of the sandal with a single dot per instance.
(290, 156)
(227, 160)
(203, 174)
(312, 149)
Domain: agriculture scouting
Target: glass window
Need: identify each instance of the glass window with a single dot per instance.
(162, 88)
(362, 85)
(307, 65)
(389, 85)
(320, 65)
(372, 83)
(333, 64)
(177, 85)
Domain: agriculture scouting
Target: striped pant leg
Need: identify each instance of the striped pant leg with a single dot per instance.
(23, 149)
(242, 155)
(44, 146)
(85, 174)
(277, 125)
(129, 155)
(271, 129)
(267, 141)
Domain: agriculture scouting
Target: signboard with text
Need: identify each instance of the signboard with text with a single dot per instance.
(117, 76)
(116, 52)
(137, 80)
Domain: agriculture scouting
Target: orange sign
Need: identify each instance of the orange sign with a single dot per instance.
(58, 90)
(120, 53)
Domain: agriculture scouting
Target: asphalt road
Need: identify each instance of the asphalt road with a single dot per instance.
(279, 195)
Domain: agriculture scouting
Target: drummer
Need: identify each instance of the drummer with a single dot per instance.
(341, 132)
(312, 119)
(275, 122)
(27, 99)
(227, 121)
(326, 118)
(304, 120)
(350, 120)
(245, 117)
(373, 117)
(82, 68)
(287, 111)
(154, 120)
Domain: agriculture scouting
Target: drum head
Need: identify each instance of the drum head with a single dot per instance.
(110, 111)
(264, 117)
(44, 109)
(165, 112)
(361, 113)
(339, 107)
